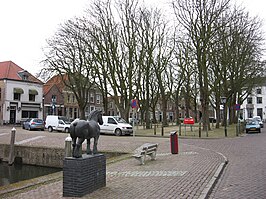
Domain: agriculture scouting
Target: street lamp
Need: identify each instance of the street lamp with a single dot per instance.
(223, 102)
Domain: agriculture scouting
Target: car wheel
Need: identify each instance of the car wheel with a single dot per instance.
(67, 130)
(50, 129)
(259, 130)
(118, 132)
(246, 131)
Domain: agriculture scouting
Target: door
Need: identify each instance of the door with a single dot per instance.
(108, 125)
(12, 119)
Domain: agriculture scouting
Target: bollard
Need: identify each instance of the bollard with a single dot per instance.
(174, 142)
(68, 143)
(12, 146)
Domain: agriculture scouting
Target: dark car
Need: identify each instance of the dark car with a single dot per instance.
(33, 124)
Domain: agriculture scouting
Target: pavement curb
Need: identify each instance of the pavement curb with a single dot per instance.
(209, 187)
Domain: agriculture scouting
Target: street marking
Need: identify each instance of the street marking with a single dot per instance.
(182, 153)
(4, 134)
(190, 153)
(28, 140)
(146, 173)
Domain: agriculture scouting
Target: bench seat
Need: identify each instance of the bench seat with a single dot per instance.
(144, 150)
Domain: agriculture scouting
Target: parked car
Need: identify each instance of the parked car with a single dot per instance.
(130, 120)
(258, 118)
(33, 124)
(57, 123)
(252, 126)
(26, 121)
(115, 125)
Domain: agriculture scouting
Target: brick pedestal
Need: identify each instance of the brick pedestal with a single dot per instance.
(83, 175)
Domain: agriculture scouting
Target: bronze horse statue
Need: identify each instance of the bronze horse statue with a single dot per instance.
(82, 129)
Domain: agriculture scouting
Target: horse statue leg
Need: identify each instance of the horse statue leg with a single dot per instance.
(89, 146)
(74, 139)
(95, 150)
(76, 153)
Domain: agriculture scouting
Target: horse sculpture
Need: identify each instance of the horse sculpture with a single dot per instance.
(82, 129)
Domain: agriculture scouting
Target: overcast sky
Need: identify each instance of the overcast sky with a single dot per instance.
(26, 24)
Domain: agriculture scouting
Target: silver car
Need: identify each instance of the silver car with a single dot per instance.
(33, 124)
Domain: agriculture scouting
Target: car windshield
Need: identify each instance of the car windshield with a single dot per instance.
(120, 120)
(257, 118)
(250, 122)
(38, 120)
(65, 119)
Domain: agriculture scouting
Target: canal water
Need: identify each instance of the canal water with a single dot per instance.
(20, 172)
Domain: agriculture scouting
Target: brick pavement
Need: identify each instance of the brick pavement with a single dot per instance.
(245, 175)
(186, 175)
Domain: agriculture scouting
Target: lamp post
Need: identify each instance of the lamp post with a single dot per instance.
(223, 101)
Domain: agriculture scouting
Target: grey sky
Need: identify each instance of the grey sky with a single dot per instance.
(25, 25)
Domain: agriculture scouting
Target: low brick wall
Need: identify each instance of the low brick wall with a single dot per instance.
(41, 156)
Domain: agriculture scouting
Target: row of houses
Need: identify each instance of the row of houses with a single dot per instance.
(24, 96)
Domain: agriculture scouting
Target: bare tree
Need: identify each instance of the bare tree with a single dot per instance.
(67, 56)
(198, 18)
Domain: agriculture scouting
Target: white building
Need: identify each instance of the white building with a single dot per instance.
(255, 104)
(21, 94)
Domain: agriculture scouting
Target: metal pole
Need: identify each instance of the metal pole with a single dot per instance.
(225, 123)
(12, 147)
(68, 142)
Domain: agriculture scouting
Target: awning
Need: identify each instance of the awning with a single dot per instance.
(33, 92)
(18, 90)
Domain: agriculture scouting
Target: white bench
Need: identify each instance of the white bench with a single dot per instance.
(146, 149)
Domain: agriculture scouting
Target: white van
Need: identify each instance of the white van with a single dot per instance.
(57, 123)
(115, 125)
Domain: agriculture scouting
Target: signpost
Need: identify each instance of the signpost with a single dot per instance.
(237, 108)
(134, 106)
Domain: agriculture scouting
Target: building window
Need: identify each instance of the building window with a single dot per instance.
(54, 98)
(259, 100)
(0, 94)
(17, 96)
(98, 99)
(249, 100)
(92, 108)
(68, 98)
(259, 91)
(70, 112)
(32, 98)
(73, 98)
(91, 98)
(259, 112)
(29, 114)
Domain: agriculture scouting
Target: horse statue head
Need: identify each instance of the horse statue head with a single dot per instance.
(96, 115)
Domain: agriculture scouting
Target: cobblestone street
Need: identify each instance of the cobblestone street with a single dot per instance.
(190, 174)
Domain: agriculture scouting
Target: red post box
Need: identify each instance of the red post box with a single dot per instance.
(174, 142)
